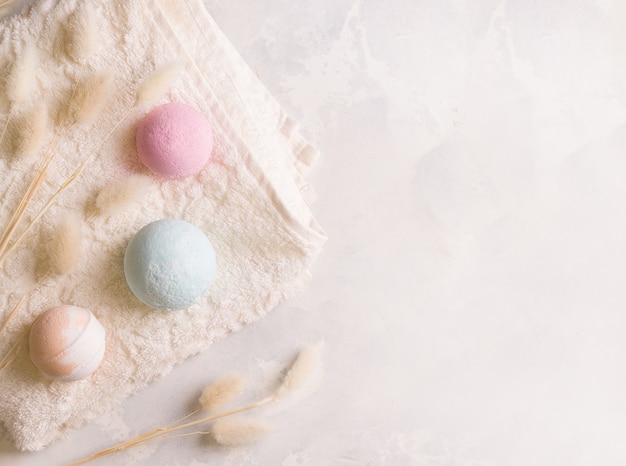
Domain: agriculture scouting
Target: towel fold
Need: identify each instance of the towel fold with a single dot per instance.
(250, 201)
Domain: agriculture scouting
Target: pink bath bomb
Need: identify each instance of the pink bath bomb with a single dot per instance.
(174, 140)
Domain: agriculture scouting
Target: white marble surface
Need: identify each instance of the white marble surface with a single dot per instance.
(471, 295)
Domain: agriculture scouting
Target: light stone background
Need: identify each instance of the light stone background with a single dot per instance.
(472, 293)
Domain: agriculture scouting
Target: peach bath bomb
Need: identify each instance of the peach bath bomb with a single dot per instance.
(67, 343)
(174, 140)
(169, 264)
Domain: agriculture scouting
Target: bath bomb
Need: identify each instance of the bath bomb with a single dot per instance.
(169, 264)
(174, 140)
(67, 343)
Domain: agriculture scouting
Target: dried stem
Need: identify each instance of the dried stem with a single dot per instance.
(257, 404)
(19, 304)
(298, 376)
(171, 437)
(173, 423)
(36, 182)
(40, 176)
(10, 357)
(161, 431)
(73, 177)
(150, 89)
(6, 123)
(12, 353)
(6, 3)
(21, 208)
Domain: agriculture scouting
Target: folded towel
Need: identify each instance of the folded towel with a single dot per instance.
(250, 201)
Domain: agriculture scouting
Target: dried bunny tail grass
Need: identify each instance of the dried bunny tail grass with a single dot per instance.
(304, 371)
(21, 80)
(63, 246)
(30, 130)
(120, 195)
(79, 36)
(228, 431)
(87, 101)
(234, 432)
(36, 183)
(219, 393)
(156, 84)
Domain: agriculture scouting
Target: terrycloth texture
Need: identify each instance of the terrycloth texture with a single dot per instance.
(249, 200)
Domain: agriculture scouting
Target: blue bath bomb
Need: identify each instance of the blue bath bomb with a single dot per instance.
(169, 264)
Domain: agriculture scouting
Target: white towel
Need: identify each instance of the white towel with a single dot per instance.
(249, 200)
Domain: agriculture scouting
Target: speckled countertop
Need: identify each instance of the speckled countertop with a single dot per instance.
(471, 294)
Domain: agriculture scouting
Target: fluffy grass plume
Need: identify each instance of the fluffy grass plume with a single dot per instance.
(85, 105)
(303, 371)
(22, 77)
(122, 194)
(88, 100)
(30, 130)
(79, 37)
(237, 431)
(63, 245)
(226, 430)
(219, 393)
(156, 84)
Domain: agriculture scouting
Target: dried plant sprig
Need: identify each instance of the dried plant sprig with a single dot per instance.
(22, 78)
(122, 194)
(237, 431)
(5, 126)
(161, 431)
(156, 84)
(20, 81)
(40, 176)
(79, 37)
(229, 433)
(30, 130)
(68, 182)
(16, 308)
(10, 356)
(63, 246)
(87, 101)
(303, 371)
(12, 353)
(151, 88)
(221, 392)
(34, 185)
